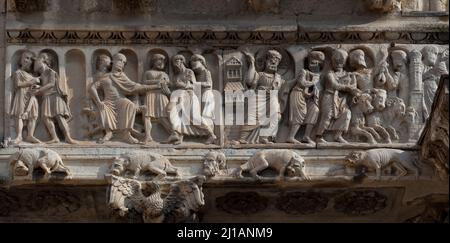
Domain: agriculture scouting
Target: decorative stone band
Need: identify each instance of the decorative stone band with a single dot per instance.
(62, 37)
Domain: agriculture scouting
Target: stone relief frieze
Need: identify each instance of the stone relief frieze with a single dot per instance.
(360, 203)
(242, 203)
(302, 203)
(315, 96)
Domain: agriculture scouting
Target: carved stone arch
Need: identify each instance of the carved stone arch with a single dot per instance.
(76, 83)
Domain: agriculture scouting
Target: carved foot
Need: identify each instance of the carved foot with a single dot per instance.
(242, 141)
(308, 140)
(340, 139)
(32, 139)
(148, 140)
(372, 141)
(129, 139)
(293, 140)
(265, 141)
(321, 140)
(18, 140)
(72, 141)
(212, 139)
(53, 141)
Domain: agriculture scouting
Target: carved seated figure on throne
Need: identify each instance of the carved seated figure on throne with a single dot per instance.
(117, 113)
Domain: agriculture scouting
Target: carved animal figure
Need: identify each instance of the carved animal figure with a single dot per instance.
(393, 115)
(362, 105)
(284, 161)
(141, 162)
(185, 198)
(24, 162)
(380, 159)
(375, 119)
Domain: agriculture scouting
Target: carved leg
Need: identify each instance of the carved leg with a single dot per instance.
(42, 163)
(383, 133)
(51, 129)
(393, 132)
(31, 128)
(281, 175)
(66, 130)
(293, 131)
(401, 169)
(265, 140)
(137, 172)
(128, 138)
(378, 172)
(261, 165)
(373, 132)
(338, 137)
(19, 129)
(360, 132)
(308, 131)
(148, 130)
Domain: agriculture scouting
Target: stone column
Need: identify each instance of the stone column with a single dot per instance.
(416, 98)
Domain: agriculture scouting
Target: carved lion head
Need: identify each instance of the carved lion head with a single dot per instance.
(118, 166)
(354, 158)
(297, 167)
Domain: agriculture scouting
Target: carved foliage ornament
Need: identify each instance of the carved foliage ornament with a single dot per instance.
(302, 203)
(53, 203)
(360, 203)
(242, 203)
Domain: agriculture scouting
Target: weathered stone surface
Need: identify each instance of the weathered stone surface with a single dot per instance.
(294, 111)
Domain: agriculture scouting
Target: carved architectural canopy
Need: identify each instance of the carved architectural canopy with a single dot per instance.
(224, 111)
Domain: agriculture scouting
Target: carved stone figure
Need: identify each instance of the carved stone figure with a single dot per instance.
(139, 163)
(362, 105)
(400, 75)
(25, 162)
(304, 99)
(157, 99)
(431, 73)
(375, 119)
(204, 80)
(117, 113)
(335, 114)
(54, 99)
(393, 115)
(184, 106)
(266, 85)
(181, 205)
(380, 159)
(25, 106)
(364, 75)
(215, 164)
(285, 162)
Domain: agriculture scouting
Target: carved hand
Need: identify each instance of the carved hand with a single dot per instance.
(250, 57)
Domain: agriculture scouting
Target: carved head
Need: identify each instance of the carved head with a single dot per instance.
(190, 192)
(315, 61)
(399, 59)
(379, 97)
(119, 62)
(411, 115)
(273, 59)
(364, 101)
(158, 62)
(354, 158)
(213, 163)
(179, 63)
(297, 167)
(430, 55)
(26, 60)
(396, 105)
(42, 62)
(103, 63)
(339, 58)
(198, 62)
(18, 165)
(357, 59)
(119, 166)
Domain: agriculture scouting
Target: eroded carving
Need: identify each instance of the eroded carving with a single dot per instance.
(384, 6)
(242, 203)
(140, 162)
(302, 203)
(285, 162)
(53, 203)
(360, 203)
(28, 6)
(215, 164)
(181, 204)
(380, 159)
(25, 162)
